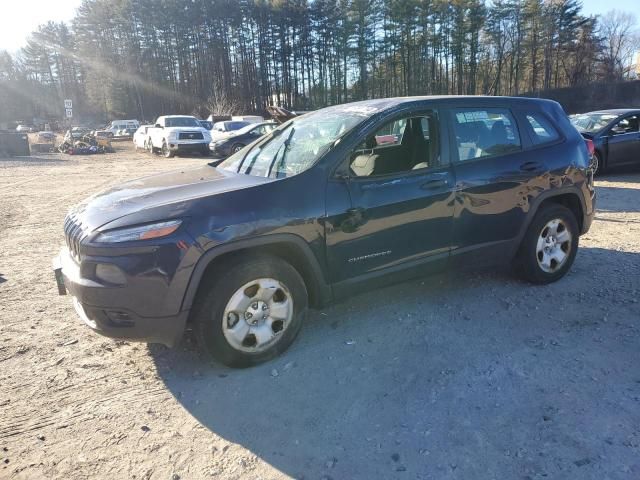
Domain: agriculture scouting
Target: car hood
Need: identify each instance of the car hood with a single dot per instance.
(187, 129)
(175, 190)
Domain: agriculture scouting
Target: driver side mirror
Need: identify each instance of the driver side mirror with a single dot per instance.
(158, 125)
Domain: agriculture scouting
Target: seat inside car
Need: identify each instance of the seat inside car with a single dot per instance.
(413, 152)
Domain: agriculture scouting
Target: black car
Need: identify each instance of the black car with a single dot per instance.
(238, 139)
(327, 204)
(615, 135)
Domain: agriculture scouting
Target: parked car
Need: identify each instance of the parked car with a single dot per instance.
(238, 139)
(24, 129)
(141, 137)
(248, 118)
(78, 132)
(102, 134)
(126, 133)
(119, 125)
(46, 136)
(317, 210)
(222, 129)
(179, 134)
(615, 135)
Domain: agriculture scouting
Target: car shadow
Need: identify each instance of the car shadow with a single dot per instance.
(414, 380)
(2, 278)
(35, 161)
(617, 199)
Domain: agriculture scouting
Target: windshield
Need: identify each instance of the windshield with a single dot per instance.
(181, 122)
(592, 122)
(297, 145)
(228, 126)
(247, 129)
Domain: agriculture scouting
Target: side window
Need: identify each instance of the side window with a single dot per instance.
(401, 145)
(627, 125)
(485, 133)
(542, 131)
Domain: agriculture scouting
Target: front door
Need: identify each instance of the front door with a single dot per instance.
(624, 141)
(398, 198)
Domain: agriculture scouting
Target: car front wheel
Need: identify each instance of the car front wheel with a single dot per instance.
(549, 246)
(166, 151)
(597, 165)
(236, 148)
(252, 313)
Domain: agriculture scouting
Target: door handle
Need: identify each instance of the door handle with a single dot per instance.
(530, 166)
(434, 183)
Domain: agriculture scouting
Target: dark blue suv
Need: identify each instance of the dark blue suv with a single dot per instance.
(328, 204)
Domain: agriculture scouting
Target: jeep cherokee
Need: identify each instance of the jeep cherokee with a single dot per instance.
(329, 203)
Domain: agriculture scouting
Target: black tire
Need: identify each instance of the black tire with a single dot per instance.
(236, 148)
(166, 151)
(598, 165)
(216, 292)
(527, 258)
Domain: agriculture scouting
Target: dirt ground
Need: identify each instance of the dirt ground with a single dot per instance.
(458, 376)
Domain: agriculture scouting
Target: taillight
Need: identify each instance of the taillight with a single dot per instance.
(590, 146)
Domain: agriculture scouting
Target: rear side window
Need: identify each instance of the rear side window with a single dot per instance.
(542, 131)
(485, 133)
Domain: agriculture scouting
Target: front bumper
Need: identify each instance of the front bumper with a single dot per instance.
(201, 147)
(222, 151)
(96, 305)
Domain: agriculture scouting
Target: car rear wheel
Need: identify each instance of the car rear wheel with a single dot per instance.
(166, 151)
(252, 312)
(549, 246)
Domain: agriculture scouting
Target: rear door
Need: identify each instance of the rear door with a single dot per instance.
(495, 171)
(624, 141)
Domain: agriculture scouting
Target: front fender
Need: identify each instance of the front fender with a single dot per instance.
(313, 273)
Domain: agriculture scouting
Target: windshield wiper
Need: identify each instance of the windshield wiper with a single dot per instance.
(285, 144)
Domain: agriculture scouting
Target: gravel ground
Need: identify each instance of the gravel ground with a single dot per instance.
(457, 376)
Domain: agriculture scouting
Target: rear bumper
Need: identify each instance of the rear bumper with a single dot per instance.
(589, 209)
(94, 304)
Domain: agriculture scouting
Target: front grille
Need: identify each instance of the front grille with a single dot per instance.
(74, 233)
(190, 136)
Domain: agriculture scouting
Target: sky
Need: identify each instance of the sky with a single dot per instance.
(19, 18)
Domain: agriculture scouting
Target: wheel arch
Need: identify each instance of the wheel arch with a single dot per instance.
(568, 197)
(289, 247)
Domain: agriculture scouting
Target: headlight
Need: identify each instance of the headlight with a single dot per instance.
(172, 136)
(142, 232)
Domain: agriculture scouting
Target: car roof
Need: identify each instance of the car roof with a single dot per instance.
(615, 111)
(380, 104)
(454, 98)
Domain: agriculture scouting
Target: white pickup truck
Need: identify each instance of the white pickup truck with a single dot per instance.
(178, 134)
